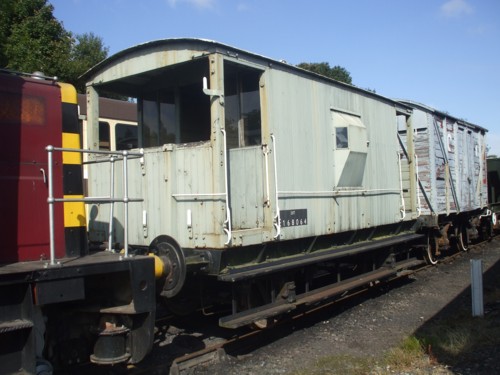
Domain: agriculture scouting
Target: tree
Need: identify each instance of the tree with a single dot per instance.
(32, 39)
(6, 14)
(337, 72)
(88, 50)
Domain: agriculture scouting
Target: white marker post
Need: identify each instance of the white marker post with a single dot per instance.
(476, 275)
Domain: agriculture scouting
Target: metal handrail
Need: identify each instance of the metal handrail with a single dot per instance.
(51, 200)
(277, 218)
(403, 207)
(227, 223)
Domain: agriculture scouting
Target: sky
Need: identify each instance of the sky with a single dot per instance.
(442, 53)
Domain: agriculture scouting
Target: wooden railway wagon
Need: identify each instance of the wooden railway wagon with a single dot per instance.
(263, 184)
(494, 190)
(449, 157)
(60, 304)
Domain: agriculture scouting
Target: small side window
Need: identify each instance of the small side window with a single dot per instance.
(342, 137)
(350, 143)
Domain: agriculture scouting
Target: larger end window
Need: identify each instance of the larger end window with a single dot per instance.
(174, 109)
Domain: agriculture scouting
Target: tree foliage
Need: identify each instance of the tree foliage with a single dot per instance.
(87, 50)
(337, 72)
(32, 39)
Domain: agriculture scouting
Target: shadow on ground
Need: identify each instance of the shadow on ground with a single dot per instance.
(466, 344)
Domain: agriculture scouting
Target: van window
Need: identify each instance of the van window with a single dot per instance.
(174, 108)
(126, 136)
(242, 105)
(351, 149)
(342, 137)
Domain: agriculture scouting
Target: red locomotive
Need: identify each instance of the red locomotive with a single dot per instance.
(60, 302)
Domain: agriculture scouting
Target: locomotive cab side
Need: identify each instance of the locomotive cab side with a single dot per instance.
(61, 303)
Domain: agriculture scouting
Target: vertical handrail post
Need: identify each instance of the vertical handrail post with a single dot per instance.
(50, 201)
(277, 218)
(403, 207)
(125, 202)
(265, 150)
(112, 207)
(227, 222)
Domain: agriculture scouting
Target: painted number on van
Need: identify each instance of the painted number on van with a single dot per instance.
(293, 218)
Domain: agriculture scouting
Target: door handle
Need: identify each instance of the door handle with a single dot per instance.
(42, 171)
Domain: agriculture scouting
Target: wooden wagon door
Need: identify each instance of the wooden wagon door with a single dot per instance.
(243, 140)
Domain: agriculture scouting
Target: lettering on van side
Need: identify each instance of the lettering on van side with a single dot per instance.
(293, 218)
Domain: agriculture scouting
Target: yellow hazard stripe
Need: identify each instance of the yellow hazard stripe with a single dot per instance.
(71, 140)
(68, 93)
(74, 212)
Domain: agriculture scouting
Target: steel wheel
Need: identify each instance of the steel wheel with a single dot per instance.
(462, 237)
(174, 263)
(430, 250)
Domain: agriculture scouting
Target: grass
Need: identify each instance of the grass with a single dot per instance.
(345, 364)
(456, 335)
(406, 355)
(449, 340)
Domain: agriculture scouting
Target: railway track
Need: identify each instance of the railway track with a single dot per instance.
(208, 348)
(186, 343)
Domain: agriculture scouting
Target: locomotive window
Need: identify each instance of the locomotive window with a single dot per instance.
(126, 136)
(104, 143)
(242, 106)
(342, 137)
